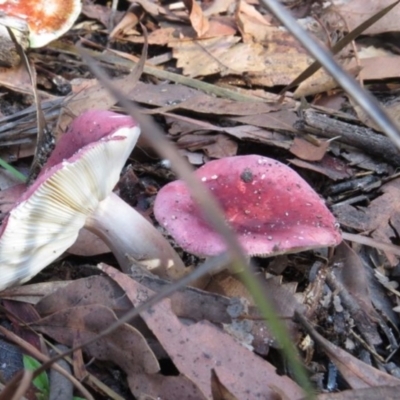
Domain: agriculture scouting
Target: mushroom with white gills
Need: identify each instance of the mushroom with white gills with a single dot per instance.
(46, 20)
(269, 206)
(77, 193)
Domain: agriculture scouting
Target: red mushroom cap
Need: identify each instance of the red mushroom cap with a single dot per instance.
(47, 19)
(270, 207)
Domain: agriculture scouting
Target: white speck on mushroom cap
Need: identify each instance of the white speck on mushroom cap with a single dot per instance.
(53, 210)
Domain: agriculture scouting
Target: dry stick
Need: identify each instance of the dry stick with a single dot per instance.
(357, 136)
(24, 385)
(363, 98)
(367, 241)
(45, 140)
(22, 124)
(37, 354)
(90, 379)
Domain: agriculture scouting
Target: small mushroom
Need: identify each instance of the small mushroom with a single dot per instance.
(34, 23)
(74, 191)
(269, 206)
(46, 20)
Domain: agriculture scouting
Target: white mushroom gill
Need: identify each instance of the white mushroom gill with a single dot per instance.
(41, 228)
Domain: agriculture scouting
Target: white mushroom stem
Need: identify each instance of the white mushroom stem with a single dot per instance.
(128, 233)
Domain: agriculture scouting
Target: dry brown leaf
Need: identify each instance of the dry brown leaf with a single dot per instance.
(258, 135)
(197, 349)
(382, 217)
(377, 68)
(17, 151)
(152, 8)
(392, 109)
(194, 141)
(216, 55)
(188, 303)
(214, 146)
(91, 291)
(308, 151)
(32, 293)
(322, 82)
(221, 26)
(222, 147)
(370, 68)
(278, 120)
(163, 36)
(179, 97)
(329, 166)
(375, 393)
(98, 12)
(17, 79)
(218, 7)
(126, 347)
(276, 64)
(356, 12)
(219, 391)
(128, 21)
(199, 22)
(175, 33)
(252, 24)
(170, 387)
(181, 125)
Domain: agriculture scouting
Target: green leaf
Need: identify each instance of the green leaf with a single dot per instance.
(42, 381)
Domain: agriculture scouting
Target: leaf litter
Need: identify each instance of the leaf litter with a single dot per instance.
(214, 91)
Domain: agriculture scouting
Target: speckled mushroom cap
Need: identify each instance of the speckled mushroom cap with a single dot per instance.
(48, 216)
(47, 20)
(270, 207)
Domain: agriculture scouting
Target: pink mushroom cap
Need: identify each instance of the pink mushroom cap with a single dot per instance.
(89, 127)
(269, 206)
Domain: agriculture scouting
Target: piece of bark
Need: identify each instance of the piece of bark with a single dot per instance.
(364, 139)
